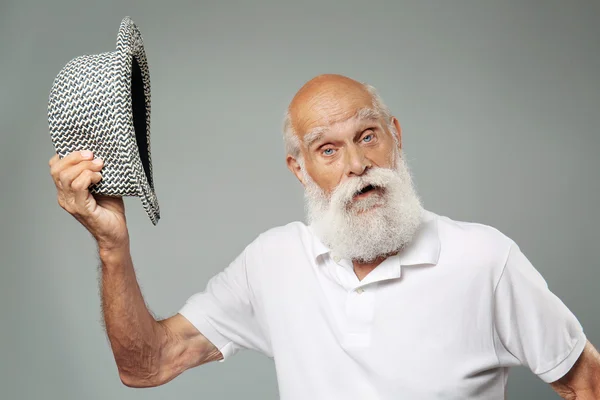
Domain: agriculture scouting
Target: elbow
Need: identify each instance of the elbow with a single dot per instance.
(129, 381)
(138, 369)
(139, 380)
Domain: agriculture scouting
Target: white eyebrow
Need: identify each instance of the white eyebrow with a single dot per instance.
(314, 135)
(367, 113)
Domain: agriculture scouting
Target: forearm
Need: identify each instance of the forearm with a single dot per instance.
(134, 334)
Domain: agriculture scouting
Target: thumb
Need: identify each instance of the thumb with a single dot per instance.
(111, 203)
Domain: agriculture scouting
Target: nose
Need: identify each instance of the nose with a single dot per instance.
(356, 162)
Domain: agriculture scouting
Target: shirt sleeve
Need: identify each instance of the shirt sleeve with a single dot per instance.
(533, 326)
(224, 312)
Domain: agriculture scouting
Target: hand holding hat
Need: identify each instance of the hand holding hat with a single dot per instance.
(102, 216)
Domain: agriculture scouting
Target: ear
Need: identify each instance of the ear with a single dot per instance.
(398, 131)
(294, 166)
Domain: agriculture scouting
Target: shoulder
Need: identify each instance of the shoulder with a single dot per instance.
(294, 229)
(279, 250)
(468, 232)
(473, 240)
(281, 240)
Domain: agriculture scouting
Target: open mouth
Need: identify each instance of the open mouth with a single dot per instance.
(366, 191)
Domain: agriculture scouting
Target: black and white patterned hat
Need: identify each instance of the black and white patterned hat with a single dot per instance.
(102, 103)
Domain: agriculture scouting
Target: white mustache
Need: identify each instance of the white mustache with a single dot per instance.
(345, 191)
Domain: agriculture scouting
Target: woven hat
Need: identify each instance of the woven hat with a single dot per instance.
(102, 103)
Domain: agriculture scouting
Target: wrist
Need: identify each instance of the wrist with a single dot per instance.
(108, 250)
(112, 240)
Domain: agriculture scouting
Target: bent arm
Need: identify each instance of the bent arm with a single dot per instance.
(147, 352)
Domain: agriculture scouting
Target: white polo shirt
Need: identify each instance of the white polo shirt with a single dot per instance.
(444, 319)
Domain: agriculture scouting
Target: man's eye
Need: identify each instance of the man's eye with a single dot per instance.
(328, 152)
(368, 138)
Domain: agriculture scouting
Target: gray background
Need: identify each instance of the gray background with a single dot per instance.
(499, 101)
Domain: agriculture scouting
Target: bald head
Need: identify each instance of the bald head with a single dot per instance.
(325, 100)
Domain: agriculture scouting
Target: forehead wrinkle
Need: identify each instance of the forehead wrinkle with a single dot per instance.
(331, 106)
(362, 114)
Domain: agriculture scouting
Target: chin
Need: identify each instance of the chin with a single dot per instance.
(368, 210)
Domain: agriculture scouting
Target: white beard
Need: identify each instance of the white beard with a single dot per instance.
(371, 227)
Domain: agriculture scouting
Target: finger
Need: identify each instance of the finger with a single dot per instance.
(69, 160)
(67, 176)
(52, 163)
(53, 160)
(81, 184)
(77, 156)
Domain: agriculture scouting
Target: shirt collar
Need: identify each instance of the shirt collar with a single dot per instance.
(425, 247)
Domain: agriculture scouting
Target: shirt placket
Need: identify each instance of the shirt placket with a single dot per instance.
(359, 306)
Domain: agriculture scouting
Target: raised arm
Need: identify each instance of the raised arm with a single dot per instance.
(147, 352)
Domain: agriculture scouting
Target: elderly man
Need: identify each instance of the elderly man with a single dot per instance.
(374, 298)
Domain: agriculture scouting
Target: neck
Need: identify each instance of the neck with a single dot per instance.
(362, 269)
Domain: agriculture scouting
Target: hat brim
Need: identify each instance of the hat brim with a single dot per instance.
(131, 56)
